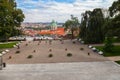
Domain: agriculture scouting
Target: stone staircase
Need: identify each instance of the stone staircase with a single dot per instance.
(106, 70)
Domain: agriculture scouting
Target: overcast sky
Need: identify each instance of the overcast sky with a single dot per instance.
(58, 10)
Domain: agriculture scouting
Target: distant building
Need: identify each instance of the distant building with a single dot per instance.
(53, 25)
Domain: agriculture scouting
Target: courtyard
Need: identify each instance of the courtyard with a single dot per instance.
(79, 66)
(40, 51)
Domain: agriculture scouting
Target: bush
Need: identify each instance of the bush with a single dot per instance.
(17, 52)
(108, 47)
(69, 54)
(117, 62)
(73, 42)
(50, 55)
(81, 48)
(30, 56)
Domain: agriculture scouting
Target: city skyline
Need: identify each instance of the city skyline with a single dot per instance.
(58, 10)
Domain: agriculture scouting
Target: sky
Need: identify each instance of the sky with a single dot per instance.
(58, 10)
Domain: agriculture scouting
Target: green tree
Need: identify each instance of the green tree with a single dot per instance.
(84, 25)
(115, 8)
(115, 18)
(72, 24)
(10, 18)
(108, 47)
(91, 26)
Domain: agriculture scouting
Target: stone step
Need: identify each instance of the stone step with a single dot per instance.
(106, 70)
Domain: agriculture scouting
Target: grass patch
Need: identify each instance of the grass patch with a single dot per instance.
(117, 62)
(116, 51)
(7, 45)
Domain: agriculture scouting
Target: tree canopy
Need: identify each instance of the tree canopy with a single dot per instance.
(91, 26)
(10, 18)
(115, 8)
(113, 27)
(96, 24)
(72, 24)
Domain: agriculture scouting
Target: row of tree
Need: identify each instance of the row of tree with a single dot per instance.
(10, 19)
(98, 24)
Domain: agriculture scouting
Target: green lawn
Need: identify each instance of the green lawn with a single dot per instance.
(7, 45)
(117, 62)
(116, 51)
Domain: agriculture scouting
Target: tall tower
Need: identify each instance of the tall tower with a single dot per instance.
(53, 25)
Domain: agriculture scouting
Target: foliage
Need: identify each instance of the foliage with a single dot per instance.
(91, 26)
(108, 47)
(101, 23)
(72, 24)
(17, 52)
(112, 26)
(115, 8)
(30, 56)
(115, 52)
(74, 42)
(69, 54)
(10, 18)
(117, 62)
(50, 55)
(81, 49)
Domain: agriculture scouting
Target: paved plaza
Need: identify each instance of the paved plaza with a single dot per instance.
(41, 50)
(80, 66)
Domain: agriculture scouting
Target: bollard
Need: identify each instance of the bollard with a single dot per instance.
(4, 64)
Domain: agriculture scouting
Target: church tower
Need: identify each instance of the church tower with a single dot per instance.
(53, 25)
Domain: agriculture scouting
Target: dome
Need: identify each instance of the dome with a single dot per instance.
(53, 25)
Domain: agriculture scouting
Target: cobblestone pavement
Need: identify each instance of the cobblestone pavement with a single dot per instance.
(41, 50)
(106, 70)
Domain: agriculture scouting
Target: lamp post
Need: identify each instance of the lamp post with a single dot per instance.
(1, 61)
